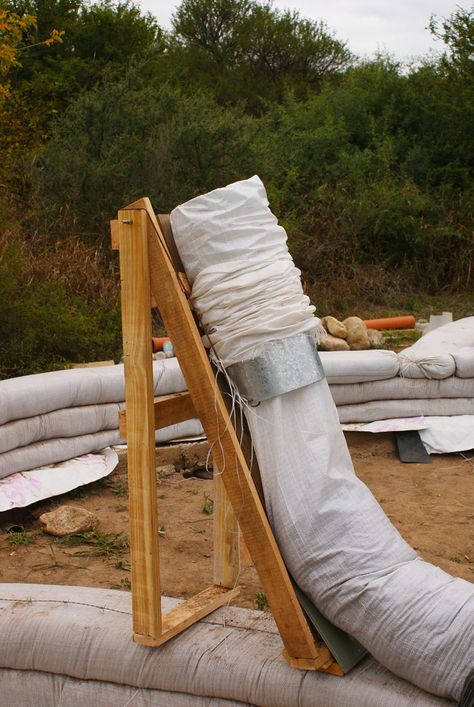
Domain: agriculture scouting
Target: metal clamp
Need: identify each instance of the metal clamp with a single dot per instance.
(281, 366)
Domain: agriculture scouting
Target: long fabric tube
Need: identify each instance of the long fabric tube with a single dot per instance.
(336, 540)
(51, 417)
(28, 396)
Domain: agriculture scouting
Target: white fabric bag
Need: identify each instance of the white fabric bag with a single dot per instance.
(434, 355)
(231, 246)
(337, 542)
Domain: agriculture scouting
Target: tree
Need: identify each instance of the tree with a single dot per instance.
(125, 139)
(241, 49)
(97, 38)
(457, 32)
(15, 31)
(18, 35)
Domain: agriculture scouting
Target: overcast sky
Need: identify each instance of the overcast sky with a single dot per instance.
(396, 26)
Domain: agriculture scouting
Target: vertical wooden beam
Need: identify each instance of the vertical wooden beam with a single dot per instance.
(226, 537)
(136, 328)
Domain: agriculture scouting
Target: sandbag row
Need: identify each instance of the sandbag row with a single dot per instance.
(443, 352)
(40, 393)
(70, 647)
(391, 409)
(51, 417)
(368, 385)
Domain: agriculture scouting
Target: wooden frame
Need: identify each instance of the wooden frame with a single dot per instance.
(151, 271)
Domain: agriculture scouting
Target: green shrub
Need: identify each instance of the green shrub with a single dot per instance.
(47, 322)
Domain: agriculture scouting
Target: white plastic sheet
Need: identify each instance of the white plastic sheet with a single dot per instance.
(397, 424)
(448, 434)
(26, 487)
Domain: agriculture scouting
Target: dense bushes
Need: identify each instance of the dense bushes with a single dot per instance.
(58, 304)
(346, 170)
(126, 140)
(368, 165)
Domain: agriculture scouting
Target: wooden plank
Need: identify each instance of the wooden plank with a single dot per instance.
(162, 228)
(329, 666)
(114, 234)
(167, 410)
(93, 364)
(189, 612)
(136, 328)
(240, 488)
(165, 224)
(226, 536)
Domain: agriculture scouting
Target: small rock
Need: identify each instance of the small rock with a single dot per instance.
(196, 457)
(376, 338)
(332, 343)
(165, 471)
(66, 520)
(357, 337)
(334, 327)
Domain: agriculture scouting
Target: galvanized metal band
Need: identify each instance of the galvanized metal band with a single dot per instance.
(281, 366)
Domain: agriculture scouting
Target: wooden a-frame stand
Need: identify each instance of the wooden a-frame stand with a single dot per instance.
(151, 272)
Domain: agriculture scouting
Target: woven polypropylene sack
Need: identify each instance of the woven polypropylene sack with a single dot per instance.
(337, 542)
(342, 367)
(434, 355)
(27, 396)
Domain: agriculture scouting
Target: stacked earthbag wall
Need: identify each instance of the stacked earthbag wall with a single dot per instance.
(51, 417)
(368, 386)
(338, 544)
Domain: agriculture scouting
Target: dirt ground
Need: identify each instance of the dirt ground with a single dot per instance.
(431, 505)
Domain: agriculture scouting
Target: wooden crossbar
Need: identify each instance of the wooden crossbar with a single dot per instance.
(150, 268)
(167, 410)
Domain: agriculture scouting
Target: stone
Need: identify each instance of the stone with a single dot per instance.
(334, 327)
(332, 343)
(357, 337)
(66, 520)
(376, 338)
(196, 457)
(165, 470)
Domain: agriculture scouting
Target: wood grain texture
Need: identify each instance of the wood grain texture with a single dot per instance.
(114, 234)
(325, 662)
(226, 536)
(167, 410)
(210, 407)
(189, 612)
(136, 329)
(93, 364)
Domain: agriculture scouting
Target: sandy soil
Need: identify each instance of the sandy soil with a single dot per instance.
(431, 505)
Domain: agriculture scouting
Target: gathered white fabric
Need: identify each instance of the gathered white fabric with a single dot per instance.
(465, 362)
(414, 364)
(231, 244)
(336, 541)
(435, 354)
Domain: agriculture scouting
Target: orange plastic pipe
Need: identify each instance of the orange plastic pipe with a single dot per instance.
(157, 342)
(405, 322)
